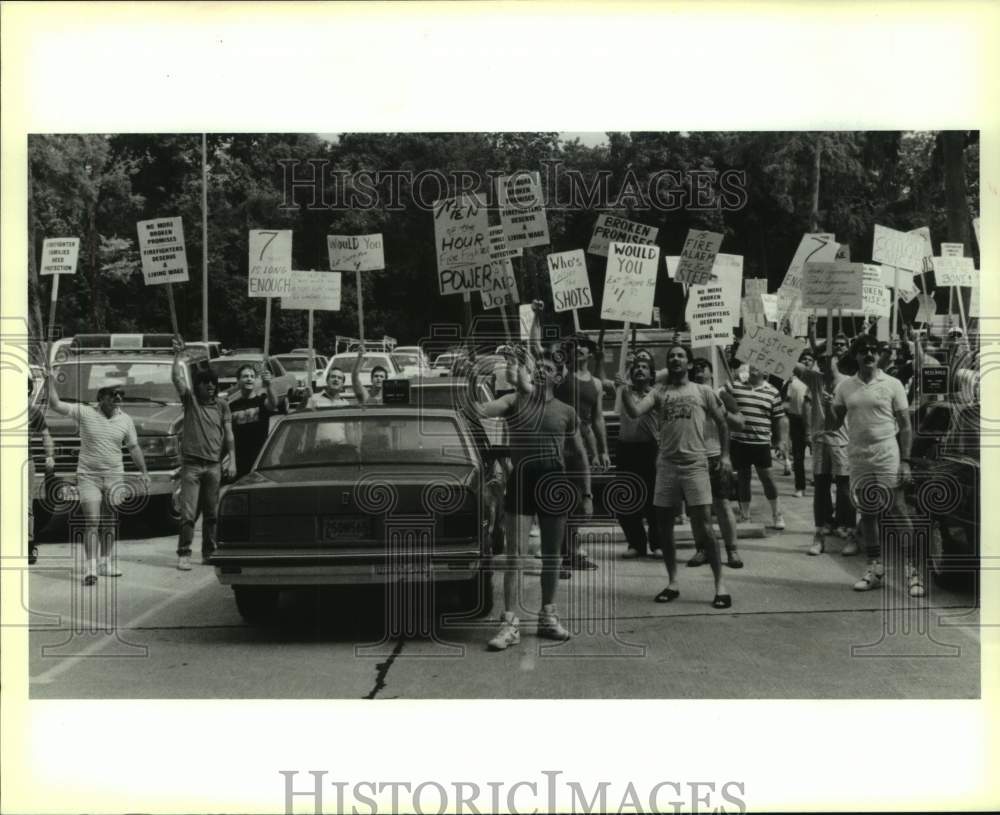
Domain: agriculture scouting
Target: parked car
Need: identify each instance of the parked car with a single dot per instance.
(284, 385)
(297, 364)
(412, 360)
(371, 360)
(376, 495)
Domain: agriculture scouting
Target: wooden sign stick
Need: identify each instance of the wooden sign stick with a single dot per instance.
(52, 308)
(173, 308)
(361, 307)
(267, 326)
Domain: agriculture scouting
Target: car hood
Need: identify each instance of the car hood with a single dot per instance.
(149, 420)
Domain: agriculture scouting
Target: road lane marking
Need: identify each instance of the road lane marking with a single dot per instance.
(46, 677)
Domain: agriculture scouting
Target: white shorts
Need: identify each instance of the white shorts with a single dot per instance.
(875, 462)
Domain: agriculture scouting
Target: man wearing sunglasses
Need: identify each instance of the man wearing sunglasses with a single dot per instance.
(100, 472)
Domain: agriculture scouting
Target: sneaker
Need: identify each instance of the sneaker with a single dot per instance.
(800, 494)
(872, 578)
(915, 582)
(818, 545)
(90, 578)
(733, 559)
(184, 563)
(535, 531)
(579, 562)
(851, 547)
(548, 625)
(826, 530)
(509, 633)
(107, 569)
(699, 559)
(32, 555)
(632, 554)
(779, 521)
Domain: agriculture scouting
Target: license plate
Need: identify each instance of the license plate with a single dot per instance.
(345, 529)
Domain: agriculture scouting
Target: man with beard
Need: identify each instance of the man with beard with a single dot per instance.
(874, 406)
(251, 412)
(682, 464)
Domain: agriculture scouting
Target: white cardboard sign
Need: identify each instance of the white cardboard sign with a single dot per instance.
(816, 247)
(754, 285)
(773, 352)
(612, 228)
(316, 291)
(570, 284)
(522, 210)
(59, 256)
(461, 234)
(698, 257)
(270, 262)
(630, 283)
(355, 253)
(954, 271)
(832, 285)
(502, 282)
(894, 248)
(161, 246)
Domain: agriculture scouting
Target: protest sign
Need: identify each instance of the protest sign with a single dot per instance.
(270, 266)
(875, 295)
(952, 250)
(501, 285)
(817, 247)
(727, 279)
(612, 228)
(461, 234)
(788, 299)
(927, 308)
(895, 248)
(570, 284)
(161, 246)
(773, 352)
(925, 235)
(975, 228)
(500, 250)
(698, 257)
(974, 305)
(355, 253)
(954, 271)
(752, 311)
(526, 316)
(770, 303)
(59, 256)
(710, 315)
(630, 283)
(522, 210)
(309, 291)
(832, 285)
(902, 280)
(754, 285)
(798, 323)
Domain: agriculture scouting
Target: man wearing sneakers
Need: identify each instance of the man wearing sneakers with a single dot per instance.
(760, 404)
(830, 464)
(100, 473)
(682, 464)
(539, 426)
(874, 406)
(208, 437)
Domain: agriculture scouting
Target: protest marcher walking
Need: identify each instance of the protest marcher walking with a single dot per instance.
(37, 426)
(874, 406)
(760, 404)
(251, 415)
(100, 471)
(830, 462)
(538, 426)
(796, 391)
(636, 456)
(682, 462)
(208, 438)
(702, 375)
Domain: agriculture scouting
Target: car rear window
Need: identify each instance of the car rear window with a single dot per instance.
(80, 381)
(329, 439)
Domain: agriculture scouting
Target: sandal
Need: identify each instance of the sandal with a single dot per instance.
(734, 560)
(722, 601)
(667, 595)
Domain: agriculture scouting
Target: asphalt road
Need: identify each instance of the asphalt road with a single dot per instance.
(796, 630)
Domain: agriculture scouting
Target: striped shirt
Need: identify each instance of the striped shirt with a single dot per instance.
(101, 438)
(760, 407)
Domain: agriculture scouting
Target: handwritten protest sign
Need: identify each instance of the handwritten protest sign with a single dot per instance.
(817, 247)
(788, 299)
(568, 276)
(698, 257)
(754, 285)
(907, 288)
(770, 302)
(876, 299)
(501, 284)
(832, 285)
(522, 210)
(954, 271)
(319, 291)
(355, 253)
(161, 246)
(895, 248)
(270, 262)
(630, 283)
(773, 352)
(752, 311)
(611, 228)
(461, 234)
(952, 250)
(59, 256)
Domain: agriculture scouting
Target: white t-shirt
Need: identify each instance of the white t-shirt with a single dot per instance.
(329, 433)
(870, 407)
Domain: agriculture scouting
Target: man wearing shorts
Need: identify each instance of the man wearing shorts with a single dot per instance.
(100, 472)
(682, 464)
(830, 464)
(539, 426)
(874, 406)
(760, 404)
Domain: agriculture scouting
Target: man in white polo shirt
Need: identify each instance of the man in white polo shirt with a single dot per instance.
(874, 405)
(100, 472)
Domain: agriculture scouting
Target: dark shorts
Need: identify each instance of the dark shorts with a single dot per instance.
(745, 456)
(539, 488)
(720, 483)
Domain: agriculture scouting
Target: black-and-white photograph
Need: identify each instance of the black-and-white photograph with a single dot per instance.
(498, 407)
(611, 403)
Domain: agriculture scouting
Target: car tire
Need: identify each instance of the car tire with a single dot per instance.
(255, 604)
(941, 562)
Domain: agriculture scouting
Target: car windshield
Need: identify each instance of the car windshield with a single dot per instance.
(346, 363)
(329, 439)
(403, 360)
(227, 368)
(294, 364)
(144, 381)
